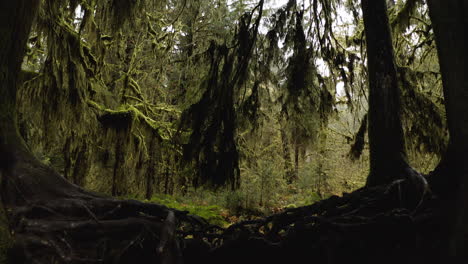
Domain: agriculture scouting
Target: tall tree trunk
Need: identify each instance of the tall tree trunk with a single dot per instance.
(16, 160)
(386, 142)
(288, 172)
(15, 23)
(450, 23)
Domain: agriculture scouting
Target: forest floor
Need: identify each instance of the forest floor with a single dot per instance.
(370, 225)
(384, 224)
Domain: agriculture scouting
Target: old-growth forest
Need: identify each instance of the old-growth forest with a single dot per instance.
(222, 131)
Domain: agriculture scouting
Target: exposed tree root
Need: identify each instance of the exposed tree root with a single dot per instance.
(53, 221)
(384, 224)
(374, 225)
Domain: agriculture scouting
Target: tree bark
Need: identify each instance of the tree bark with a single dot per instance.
(450, 23)
(386, 141)
(15, 23)
(16, 160)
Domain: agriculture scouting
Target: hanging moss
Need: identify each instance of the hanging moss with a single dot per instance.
(401, 21)
(358, 146)
(127, 115)
(305, 100)
(212, 120)
(251, 107)
(71, 111)
(124, 11)
(423, 119)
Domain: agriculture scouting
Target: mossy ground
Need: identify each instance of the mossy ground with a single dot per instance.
(224, 208)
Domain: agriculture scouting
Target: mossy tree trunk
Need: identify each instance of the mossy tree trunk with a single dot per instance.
(51, 219)
(16, 161)
(450, 23)
(15, 22)
(386, 141)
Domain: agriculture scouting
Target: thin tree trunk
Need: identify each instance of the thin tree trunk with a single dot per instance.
(151, 171)
(386, 142)
(82, 164)
(167, 174)
(286, 156)
(117, 170)
(296, 161)
(449, 20)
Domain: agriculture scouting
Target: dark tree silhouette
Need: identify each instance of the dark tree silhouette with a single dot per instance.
(388, 160)
(15, 22)
(451, 176)
(387, 147)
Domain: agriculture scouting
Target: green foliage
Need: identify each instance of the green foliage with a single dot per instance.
(401, 21)
(424, 118)
(212, 120)
(358, 146)
(211, 212)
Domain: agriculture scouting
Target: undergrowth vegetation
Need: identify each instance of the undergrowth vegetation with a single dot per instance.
(264, 189)
(210, 211)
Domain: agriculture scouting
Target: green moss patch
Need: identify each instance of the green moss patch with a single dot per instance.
(212, 213)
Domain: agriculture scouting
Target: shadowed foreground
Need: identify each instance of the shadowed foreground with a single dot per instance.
(371, 225)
